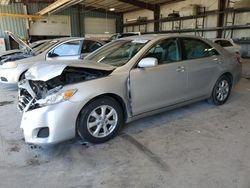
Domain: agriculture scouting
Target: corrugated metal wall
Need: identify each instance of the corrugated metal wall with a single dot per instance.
(73, 13)
(15, 25)
(18, 26)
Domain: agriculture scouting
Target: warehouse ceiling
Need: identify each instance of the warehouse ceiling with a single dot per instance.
(124, 5)
(116, 6)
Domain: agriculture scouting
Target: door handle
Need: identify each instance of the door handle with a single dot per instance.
(180, 69)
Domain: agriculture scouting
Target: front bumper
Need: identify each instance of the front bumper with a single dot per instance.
(60, 119)
(9, 76)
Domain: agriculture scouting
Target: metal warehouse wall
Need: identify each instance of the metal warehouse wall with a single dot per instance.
(72, 12)
(18, 26)
(102, 15)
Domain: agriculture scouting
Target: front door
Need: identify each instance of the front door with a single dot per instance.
(162, 85)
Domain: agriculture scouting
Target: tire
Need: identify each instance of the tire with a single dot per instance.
(221, 91)
(100, 120)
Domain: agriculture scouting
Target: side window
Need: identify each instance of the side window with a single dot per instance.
(113, 37)
(196, 49)
(218, 42)
(90, 46)
(225, 43)
(94, 46)
(166, 51)
(67, 49)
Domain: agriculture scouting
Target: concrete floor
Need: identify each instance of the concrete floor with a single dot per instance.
(197, 146)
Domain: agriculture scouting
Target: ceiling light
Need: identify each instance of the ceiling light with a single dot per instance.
(112, 9)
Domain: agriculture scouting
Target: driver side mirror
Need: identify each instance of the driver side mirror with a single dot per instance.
(51, 54)
(148, 62)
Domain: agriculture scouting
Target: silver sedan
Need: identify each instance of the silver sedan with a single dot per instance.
(127, 79)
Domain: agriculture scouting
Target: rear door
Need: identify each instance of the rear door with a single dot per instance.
(162, 85)
(88, 47)
(202, 62)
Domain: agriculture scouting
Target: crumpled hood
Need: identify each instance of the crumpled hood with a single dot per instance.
(45, 71)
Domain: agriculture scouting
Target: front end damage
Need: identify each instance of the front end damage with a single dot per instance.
(47, 116)
(13, 57)
(33, 92)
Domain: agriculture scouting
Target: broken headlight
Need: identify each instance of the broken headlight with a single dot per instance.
(57, 97)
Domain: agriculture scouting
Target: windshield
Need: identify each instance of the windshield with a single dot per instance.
(117, 53)
(44, 46)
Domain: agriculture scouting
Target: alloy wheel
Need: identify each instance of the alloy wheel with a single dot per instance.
(102, 121)
(222, 90)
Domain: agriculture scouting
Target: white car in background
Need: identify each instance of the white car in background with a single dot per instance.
(71, 48)
(16, 54)
(123, 35)
(229, 45)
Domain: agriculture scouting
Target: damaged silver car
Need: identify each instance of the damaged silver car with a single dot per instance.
(25, 50)
(125, 80)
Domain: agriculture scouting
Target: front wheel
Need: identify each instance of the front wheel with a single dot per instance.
(100, 120)
(221, 91)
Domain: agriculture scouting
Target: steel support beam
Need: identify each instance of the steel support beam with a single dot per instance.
(140, 4)
(221, 17)
(25, 16)
(53, 6)
(157, 18)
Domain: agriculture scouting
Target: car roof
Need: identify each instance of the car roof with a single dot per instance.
(156, 36)
(74, 38)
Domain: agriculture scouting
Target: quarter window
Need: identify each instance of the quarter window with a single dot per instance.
(196, 49)
(67, 49)
(166, 51)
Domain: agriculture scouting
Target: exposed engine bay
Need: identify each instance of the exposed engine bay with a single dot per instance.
(13, 57)
(31, 91)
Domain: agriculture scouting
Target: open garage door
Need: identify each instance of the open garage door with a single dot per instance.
(51, 26)
(99, 27)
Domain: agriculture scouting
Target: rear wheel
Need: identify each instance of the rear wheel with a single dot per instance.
(100, 120)
(221, 91)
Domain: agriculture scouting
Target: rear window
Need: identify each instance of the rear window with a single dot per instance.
(224, 43)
